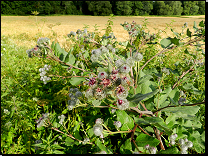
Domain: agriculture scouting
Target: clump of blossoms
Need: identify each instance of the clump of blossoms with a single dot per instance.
(184, 145)
(98, 128)
(151, 150)
(114, 82)
(136, 29)
(173, 138)
(74, 94)
(41, 48)
(41, 121)
(61, 119)
(42, 71)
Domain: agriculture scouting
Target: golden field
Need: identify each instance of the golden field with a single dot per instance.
(26, 25)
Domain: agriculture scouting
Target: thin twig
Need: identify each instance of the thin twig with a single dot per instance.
(185, 74)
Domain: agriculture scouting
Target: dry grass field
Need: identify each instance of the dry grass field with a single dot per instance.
(19, 27)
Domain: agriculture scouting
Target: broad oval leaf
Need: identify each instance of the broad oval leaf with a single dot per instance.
(165, 42)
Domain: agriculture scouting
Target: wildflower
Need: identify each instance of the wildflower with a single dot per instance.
(99, 94)
(6, 111)
(61, 118)
(181, 141)
(85, 140)
(166, 71)
(172, 142)
(130, 61)
(189, 144)
(78, 94)
(185, 24)
(40, 122)
(121, 92)
(173, 137)
(99, 121)
(122, 104)
(94, 58)
(96, 52)
(97, 129)
(119, 63)
(104, 50)
(147, 146)
(89, 94)
(106, 82)
(137, 57)
(113, 110)
(92, 82)
(102, 75)
(181, 100)
(152, 150)
(125, 68)
(117, 124)
(125, 81)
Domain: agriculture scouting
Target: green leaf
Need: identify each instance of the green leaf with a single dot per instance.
(163, 97)
(163, 127)
(69, 141)
(96, 102)
(101, 146)
(175, 41)
(175, 33)
(64, 111)
(126, 148)
(76, 80)
(140, 121)
(165, 42)
(195, 26)
(188, 33)
(183, 109)
(126, 121)
(144, 79)
(144, 139)
(174, 96)
(57, 49)
(139, 97)
(90, 132)
(170, 150)
(152, 120)
(56, 146)
(70, 59)
(53, 45)
(201, 24)
(63, 55)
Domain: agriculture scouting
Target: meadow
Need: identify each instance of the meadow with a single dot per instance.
(24, 28)
(162, 85)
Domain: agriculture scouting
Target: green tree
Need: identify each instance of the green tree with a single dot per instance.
(69, 8)
(6, 8)
(136, 7)
(177, 8)
(201, 5)
(160, 8)
(101, 8)
(123, 7)
(190, 7)
(147, 7)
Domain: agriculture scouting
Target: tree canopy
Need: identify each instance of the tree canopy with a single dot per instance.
(104, 8)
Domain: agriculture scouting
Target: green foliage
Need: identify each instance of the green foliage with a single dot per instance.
(103, 96)
(103, 8)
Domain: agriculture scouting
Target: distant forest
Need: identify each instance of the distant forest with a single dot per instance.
(103, 8)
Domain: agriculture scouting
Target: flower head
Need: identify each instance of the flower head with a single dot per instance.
(97, 129)
(122, 104)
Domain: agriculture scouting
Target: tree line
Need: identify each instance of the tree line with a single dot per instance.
(103, 8)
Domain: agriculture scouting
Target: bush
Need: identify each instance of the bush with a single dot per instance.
(101, 96)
